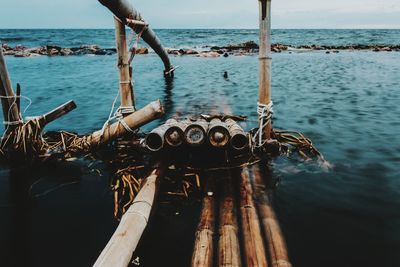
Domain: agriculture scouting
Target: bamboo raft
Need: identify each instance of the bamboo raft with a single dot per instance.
(237, 224)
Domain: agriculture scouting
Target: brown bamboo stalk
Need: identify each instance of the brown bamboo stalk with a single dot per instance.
(120, 248)
(56, 113)
(203, 251)
(10, 109)
(228, 245)
(275, 240)
(264, 90)
(218, 133)
(196, 132)
(239, 139)
(142, 116)
(125, 84)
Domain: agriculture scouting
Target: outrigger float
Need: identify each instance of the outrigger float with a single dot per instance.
(237, 225)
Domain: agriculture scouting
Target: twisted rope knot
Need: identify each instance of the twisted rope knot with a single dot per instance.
(264, 112)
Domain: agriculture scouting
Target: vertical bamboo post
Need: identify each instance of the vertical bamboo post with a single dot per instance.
(123, 243)
(125, 79)
(264, 89)
(251, 231)
(228, 246)
(272, 230)
(8, 100)
(203, 252)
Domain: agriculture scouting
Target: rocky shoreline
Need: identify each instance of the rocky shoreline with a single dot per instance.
(247, 48)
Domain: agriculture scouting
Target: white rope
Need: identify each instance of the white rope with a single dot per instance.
(264, 117)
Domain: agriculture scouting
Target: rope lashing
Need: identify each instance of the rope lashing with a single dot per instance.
(264, 117)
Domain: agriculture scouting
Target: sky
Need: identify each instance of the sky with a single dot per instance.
(204, 14)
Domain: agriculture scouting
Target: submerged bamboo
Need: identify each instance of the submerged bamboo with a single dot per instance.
(253, 247)
(203, 252)
(125, 79)
(228, 245)
(10, 109)
(120, 248)
(126, 13)
(265, 59)
(239, 139)
(273, 234)
(218, 133)
(142, 116)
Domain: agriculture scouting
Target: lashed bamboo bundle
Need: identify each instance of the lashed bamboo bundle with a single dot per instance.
(203, 252)
(228, 245)
(119, 250)
(171, 133)
(253, 247)
(273, 234)
(142, 116)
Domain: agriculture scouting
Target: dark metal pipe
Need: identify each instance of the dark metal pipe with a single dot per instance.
(125, 12)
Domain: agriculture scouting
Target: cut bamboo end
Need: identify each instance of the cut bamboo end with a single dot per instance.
(228, 245)
(218, 133)
(119, 250)
(196, 133)
(239, 138)
(203, 252)
(174, 135)
(253, 246)
(272, 230)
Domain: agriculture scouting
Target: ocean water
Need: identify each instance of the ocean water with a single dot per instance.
(347, 103)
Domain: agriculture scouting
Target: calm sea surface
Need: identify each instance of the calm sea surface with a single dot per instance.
(347, 103)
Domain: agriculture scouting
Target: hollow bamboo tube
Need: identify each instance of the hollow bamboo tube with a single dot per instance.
(218, 133)
(125, 84)
(203, 252)
(174, 136)
(264, 90)
(119, 250)
(142, 116)
(253, 246)
(196, 133)
(228, 245)
(171, 133)
(8, 100)
(239, 139)
(275, 240)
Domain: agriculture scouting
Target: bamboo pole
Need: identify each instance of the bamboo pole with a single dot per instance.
(56, 113)
(239, 139)
(126, 13)
(142, 116)
(273, 234)
(196, 132)
(120, 248)
(264, 90)
(203, 252)
(8, 100)
(228, 245)
(254, 250)
(125, 79)
(170, 133)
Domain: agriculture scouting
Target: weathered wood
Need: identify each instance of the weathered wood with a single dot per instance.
(56, 113)
(228, 245)
(142, 116)
(239, 139)
(218, 133)
(275, 240)
(125, 84)
(120, 248)
(203, 252)
(8, 100)
(124, 10)
(253, 246)
(264, 90)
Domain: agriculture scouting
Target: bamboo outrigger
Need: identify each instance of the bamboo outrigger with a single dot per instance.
(235, 200)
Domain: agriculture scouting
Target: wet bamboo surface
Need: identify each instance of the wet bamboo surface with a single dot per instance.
(203, 252)
(123, 243)
(273, 234)
(228, 245)
(253, 247)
